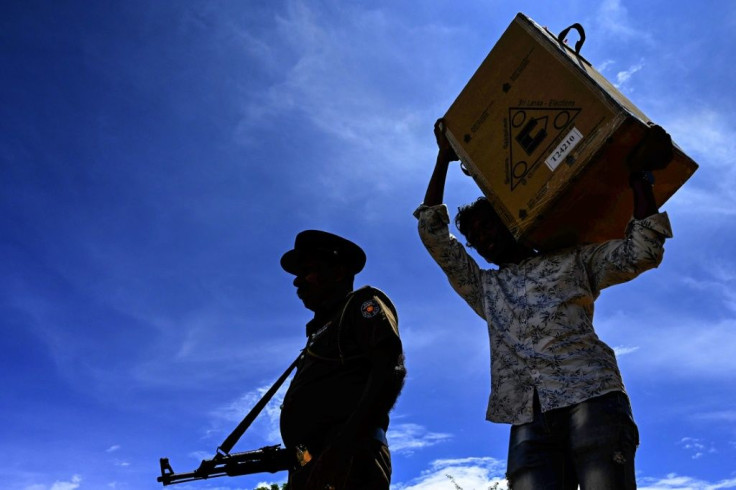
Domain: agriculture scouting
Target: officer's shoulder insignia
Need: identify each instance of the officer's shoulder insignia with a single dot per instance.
(370, 308)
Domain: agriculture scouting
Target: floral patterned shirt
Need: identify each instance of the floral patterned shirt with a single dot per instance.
(539, 312)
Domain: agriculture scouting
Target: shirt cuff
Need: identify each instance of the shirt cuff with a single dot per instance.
(658, 223)
(438, 212)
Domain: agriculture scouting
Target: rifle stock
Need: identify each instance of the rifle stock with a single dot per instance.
(269, 459)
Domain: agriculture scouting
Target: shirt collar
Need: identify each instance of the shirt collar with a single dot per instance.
(324, 313)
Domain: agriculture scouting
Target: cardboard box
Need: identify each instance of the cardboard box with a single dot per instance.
(545, 137)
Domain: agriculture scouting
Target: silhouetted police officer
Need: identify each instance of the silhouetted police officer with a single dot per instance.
(335, 412)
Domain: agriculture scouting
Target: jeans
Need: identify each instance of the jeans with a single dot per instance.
(591, 444)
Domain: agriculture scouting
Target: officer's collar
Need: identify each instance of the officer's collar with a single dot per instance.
(325, 312)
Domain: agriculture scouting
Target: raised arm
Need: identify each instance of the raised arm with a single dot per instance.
(434, 220)
(654, 152)
(618, 261)
(445, 154)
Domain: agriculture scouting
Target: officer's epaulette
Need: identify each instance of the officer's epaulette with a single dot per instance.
(362, 296)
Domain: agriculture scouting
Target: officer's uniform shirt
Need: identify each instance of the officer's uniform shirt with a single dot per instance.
(334, 369)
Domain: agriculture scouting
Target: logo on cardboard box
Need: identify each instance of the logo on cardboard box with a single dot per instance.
(532, 132)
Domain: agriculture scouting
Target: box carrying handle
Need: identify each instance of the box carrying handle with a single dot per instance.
(561, 37)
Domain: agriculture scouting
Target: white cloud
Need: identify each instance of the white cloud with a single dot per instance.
(704, 133)
(612, 19)
(686, 348)
(70, 485)
(112, 448)
(621, 350)
(603, 66)
(267, 484)
(719, 284)
(75, 482)
(403, 438)
(718, 416)
(201, 455)
(623, 76)
(707, 133)
(467, 473)
(488, 473)
(676, 482)
(323, 83)
(673, 341)
(696, 447)
(266, 425)
(407, 438)
(332, 79)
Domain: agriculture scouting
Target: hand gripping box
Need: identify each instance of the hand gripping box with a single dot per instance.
(545, 137)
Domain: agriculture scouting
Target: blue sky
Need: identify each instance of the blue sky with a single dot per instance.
(157, 158)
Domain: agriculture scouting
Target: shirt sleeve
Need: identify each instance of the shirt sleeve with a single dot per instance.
(461, 270)
(376, 325)
(618, 261)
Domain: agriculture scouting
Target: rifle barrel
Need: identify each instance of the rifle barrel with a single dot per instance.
(270, 459)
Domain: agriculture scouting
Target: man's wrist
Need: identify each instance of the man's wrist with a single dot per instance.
(644, 176)
(447, 156)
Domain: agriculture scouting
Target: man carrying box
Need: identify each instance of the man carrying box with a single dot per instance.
(552, 378)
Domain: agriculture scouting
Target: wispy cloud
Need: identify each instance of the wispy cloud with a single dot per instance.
(266, 424)
(408, 438)
(477, 473)
(603, 66)
(404, 438)
(706, 132)
(612, 18)
(687, 349)
(673, 481)
(696, 447)
(192, 351)
(72, 484)
(324, 82)
(623, 76)
(676, 341)
(718, 282)
(621, 350)
(718, 416)
(336, 83)
(467, 473)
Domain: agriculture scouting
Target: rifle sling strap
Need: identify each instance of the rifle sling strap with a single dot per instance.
(232, 439)
(224, 449)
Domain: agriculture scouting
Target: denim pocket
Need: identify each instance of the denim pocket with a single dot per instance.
(604, 421)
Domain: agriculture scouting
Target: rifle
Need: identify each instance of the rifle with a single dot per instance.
(269, 459)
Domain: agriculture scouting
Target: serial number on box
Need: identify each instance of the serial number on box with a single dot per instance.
(567, 144)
